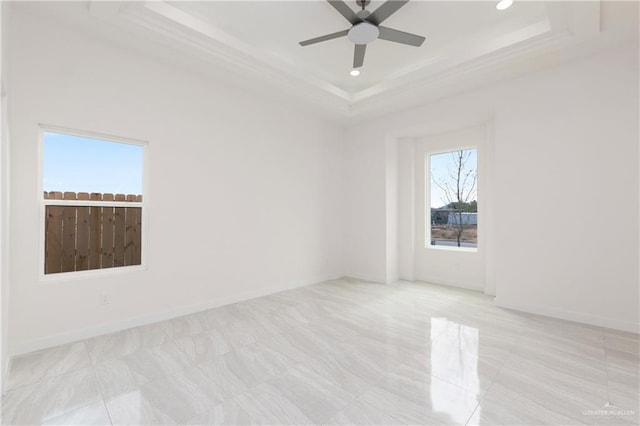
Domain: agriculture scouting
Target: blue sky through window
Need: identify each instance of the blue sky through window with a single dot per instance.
(82, 164)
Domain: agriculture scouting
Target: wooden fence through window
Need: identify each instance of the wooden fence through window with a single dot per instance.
(96, 236)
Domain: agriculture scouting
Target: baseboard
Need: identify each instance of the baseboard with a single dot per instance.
(365, 277)
(6, 366)
(393, 279)
(86, 333)
(574, 316)
(452, 283)
(410, 278)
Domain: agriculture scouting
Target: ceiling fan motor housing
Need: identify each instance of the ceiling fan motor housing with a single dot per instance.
(363, 14)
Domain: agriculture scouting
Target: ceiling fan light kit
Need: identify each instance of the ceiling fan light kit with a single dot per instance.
(363, 33)
(504, 4)
(366, 28)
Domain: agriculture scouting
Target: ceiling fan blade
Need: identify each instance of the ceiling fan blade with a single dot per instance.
(358, 55)
(345, 11)
(324, 38)
(387, 9)
(390, 34)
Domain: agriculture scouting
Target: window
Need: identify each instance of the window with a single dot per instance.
(453, 202)
(92, 197)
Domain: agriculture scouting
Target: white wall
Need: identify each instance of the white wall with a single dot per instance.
(406, 243)
(392, 175)
(4, 201)
(365, 207)
(4, 241)
(565, 139)
(262, 181)
(581, 152)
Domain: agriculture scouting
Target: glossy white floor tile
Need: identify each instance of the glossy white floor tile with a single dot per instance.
(340, 352)
(50, 398)
(95, 414)
(33, 367)
(227, 413)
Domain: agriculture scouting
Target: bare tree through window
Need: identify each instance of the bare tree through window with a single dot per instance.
(454, 191)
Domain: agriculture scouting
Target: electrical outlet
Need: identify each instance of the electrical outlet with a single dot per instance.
(104, 299)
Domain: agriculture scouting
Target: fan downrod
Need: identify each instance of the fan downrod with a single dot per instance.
(363, 3)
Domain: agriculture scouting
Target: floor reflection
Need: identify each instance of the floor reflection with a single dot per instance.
(454, 358)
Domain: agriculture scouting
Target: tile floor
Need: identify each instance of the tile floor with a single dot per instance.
(340, 352)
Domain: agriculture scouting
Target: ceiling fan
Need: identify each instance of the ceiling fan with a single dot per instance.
(365, 27)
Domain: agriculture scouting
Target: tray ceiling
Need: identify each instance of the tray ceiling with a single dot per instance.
(256, 42)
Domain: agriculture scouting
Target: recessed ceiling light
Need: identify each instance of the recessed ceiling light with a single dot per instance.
(354, 73)
(504, 4)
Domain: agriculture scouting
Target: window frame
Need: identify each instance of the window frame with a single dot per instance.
(427, 194)
(43, 203)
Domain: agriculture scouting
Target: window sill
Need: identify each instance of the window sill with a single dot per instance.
(453, 248)
(87, 275)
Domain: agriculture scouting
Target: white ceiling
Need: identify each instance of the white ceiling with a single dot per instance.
(275, 28)
(256, 43)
